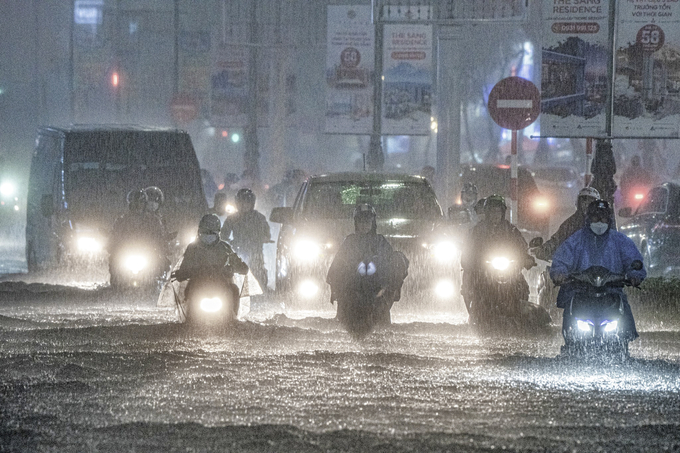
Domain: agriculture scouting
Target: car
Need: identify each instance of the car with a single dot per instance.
(408, 215)
(534, 208)
(80, 176)
(655, 228)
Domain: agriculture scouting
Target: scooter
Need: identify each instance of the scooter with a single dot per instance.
(136, 264)
(209, 296)
(366, 304)
(594, 322)
(496, 305)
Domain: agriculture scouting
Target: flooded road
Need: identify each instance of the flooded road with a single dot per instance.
(87, 370)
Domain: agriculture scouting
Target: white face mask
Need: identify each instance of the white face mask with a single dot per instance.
(208, 239)
(599, 228)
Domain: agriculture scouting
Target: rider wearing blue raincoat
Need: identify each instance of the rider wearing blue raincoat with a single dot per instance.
(597, 244)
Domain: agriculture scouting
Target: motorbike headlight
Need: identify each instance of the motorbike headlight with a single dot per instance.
(444, 251)
(230, 209)
(610, 326)
(211, 304)
(584, 326)
(135, 263)
(306, 250)
(87, 244)
(500, 263)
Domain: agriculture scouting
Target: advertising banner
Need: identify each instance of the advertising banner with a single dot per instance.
(407, 84)
(349, 70)
(647, 69)
(574, 81)
(229, 86)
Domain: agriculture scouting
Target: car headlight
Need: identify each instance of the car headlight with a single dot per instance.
(211, 304)
(230, 209)
(308, 250)
(444, 251)
(500, 263)
(135, 263)
(541, 204)
(584, 326)
(87, 244)
(7, 189)
(610, 326)
(308, 289)
(444, 289)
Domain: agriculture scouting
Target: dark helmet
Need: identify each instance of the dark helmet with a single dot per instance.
(599, 209)
(155, 194)
(136, 199)
(495, 201)
(209, 223)
(245, 196)
(469, 188)
(365, 211)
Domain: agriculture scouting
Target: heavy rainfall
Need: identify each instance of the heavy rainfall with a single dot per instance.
(182, 188)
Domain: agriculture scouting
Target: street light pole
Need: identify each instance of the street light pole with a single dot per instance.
(376, 159)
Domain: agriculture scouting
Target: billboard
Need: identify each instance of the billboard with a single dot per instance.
(349, 70)
(407, 83)
(574, 77)
(647, 70)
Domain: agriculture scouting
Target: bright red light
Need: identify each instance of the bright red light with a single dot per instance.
(114, 79)
(225, 134)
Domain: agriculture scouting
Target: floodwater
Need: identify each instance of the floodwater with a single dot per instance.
(83, 369)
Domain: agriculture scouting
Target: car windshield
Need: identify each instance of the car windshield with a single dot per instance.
(391, 199)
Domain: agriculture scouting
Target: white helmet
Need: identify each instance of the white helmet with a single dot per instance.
(588, 192)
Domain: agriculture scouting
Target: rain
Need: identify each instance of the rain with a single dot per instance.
(164, 91)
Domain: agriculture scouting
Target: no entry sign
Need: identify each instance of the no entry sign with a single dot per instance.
(514, 103)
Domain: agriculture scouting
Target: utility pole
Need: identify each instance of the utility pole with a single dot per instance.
(251, 156)
(376, 159)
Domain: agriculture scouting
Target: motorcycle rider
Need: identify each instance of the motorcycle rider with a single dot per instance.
(468, 198)
(493, 232)
(365, 246)
(572, 224)
(247, 230)
(136, 225)
(210, 258)
(597, 244)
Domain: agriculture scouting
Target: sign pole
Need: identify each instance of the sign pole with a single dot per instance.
(513, 178)
(589, 162)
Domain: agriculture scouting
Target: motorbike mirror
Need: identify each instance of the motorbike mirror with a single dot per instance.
(458, 215)
(536, 242)
(636, 265)
(626, 212)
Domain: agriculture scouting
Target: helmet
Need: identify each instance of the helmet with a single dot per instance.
(599, 208)
(470, 188)
(495, 201)
(245, 196)
(364, 210)
(155, 194)
(209, 223)
(136, 198)
(587, 192)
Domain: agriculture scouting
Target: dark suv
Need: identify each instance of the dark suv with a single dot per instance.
(408, 215)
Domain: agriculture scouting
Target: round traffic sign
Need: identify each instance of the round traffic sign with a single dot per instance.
(184, 108)
(514, 103)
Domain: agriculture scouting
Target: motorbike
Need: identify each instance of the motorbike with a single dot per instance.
(498, 291)
(135, 265)
(546, 289)
(593, 323)
(367, 302)
(210, 296)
